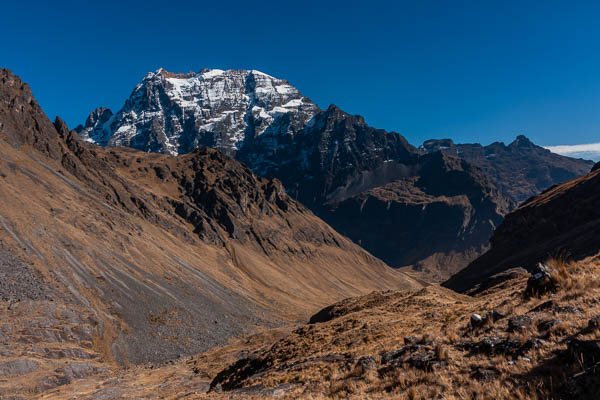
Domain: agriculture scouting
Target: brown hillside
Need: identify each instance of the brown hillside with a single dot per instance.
(417, 344)
(131, 257)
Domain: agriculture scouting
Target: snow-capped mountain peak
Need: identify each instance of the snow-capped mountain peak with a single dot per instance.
(175, 112)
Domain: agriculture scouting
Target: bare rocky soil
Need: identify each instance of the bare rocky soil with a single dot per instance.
(18, 281)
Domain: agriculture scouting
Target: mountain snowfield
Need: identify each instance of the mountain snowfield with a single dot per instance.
(174, 113)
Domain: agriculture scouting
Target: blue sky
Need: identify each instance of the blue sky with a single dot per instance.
(474, 71)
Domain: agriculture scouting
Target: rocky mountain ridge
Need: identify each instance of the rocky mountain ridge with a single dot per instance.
(520, 169)
(336, 164)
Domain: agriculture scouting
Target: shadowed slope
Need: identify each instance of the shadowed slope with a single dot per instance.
(438, 220)
(562, 222)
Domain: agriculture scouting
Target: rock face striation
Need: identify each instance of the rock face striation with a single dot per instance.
(335, 156)
(165, 255)
(350, 174)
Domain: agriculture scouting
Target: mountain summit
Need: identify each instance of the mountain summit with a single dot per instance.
(174, 113)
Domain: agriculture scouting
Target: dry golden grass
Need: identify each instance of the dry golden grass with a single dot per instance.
(323, 360)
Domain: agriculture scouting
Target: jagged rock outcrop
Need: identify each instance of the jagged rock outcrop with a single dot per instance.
(562, 222)
(97, 126)
(335, 156)
(22, 119)
(521, 169)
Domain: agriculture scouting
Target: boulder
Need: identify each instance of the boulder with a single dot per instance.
(544, 306)
(487, 345)
(540, 281)
(418, 356)
(494, 316)
(547, 325)
(497, 345)
(411, 340)
(594, 323)
(567, 309)
(476, 321)
(519, 323)
(367, 363)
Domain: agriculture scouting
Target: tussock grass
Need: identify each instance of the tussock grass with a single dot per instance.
(322, 361)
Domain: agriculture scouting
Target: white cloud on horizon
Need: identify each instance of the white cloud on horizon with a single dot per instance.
(589, 151)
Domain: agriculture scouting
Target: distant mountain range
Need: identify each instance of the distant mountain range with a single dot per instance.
(521, 169)
(404, 204)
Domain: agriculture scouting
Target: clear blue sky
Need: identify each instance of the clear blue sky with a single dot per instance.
(469, 70)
